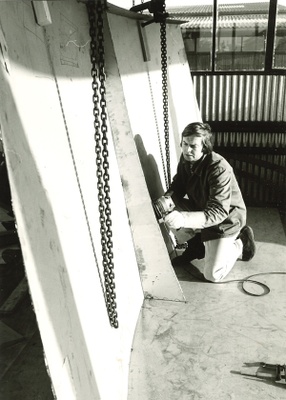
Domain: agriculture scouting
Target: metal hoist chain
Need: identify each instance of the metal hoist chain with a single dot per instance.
(158, 7)
(95, 13)
(164, 69)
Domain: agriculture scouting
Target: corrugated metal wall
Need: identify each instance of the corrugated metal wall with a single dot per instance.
(241, 97)
(258, 158)
(250, 139)
(261, 177)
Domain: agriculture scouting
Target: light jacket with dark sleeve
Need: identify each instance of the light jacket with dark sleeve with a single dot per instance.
(215, 200)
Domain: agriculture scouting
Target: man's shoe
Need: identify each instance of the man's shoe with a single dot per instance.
(195, 250)
(247, 237)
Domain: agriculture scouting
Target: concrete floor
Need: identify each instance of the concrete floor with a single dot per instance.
(185, 351)
(197, 350)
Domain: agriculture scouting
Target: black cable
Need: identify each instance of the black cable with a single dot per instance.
(259, 283)
(244, 281)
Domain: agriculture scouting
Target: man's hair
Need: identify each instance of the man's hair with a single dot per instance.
(200, 130)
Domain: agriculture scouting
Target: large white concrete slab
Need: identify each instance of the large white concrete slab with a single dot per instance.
(46, 117)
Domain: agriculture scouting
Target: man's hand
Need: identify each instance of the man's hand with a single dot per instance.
(175, 220)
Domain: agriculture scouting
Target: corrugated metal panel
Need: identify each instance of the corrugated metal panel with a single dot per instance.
(241, 88)
(249, 98)
(281, 100)
(254, 99)
(230, 21)
(250, 139)
(274, 97)
(241, 97)
(244, 15)
(227, 97)
(261, 178)
(208, 93)
(260, 98)
(267, 98)
(223, 98)
(234, 98)
(213, 106)
(239, 8)
(248, 90)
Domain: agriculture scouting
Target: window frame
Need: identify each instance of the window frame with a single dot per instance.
(269, 48)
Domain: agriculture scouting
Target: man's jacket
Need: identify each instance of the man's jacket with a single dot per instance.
(214, 199)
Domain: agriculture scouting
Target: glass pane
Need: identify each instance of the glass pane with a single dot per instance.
(241, 35)
(279, 56)
(197, 36)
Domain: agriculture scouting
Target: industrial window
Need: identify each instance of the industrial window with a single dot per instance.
(240, 49)
(242, 37)
(279, 58)
(198, 47)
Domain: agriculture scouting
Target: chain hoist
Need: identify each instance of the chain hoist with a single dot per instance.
(133, 2)
(95, 13)
(158, 9)
(164, 69)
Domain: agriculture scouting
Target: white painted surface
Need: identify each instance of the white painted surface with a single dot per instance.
(142, 82)
(83, 352)
(157, 275)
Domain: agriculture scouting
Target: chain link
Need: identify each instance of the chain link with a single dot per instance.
(95, 13)
(164, 69)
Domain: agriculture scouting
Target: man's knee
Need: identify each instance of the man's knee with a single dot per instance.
(214, 273)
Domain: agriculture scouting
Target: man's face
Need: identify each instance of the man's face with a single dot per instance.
(192, 148)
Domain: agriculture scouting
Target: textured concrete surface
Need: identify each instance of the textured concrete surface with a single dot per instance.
(197, 349)
(185, 351)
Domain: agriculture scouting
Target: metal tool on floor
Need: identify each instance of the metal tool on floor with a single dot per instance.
(264, 371)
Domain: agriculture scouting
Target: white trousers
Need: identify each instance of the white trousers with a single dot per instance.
(220, 257)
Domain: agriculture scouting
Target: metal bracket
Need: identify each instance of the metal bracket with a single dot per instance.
(42, 13)
(155, 7)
